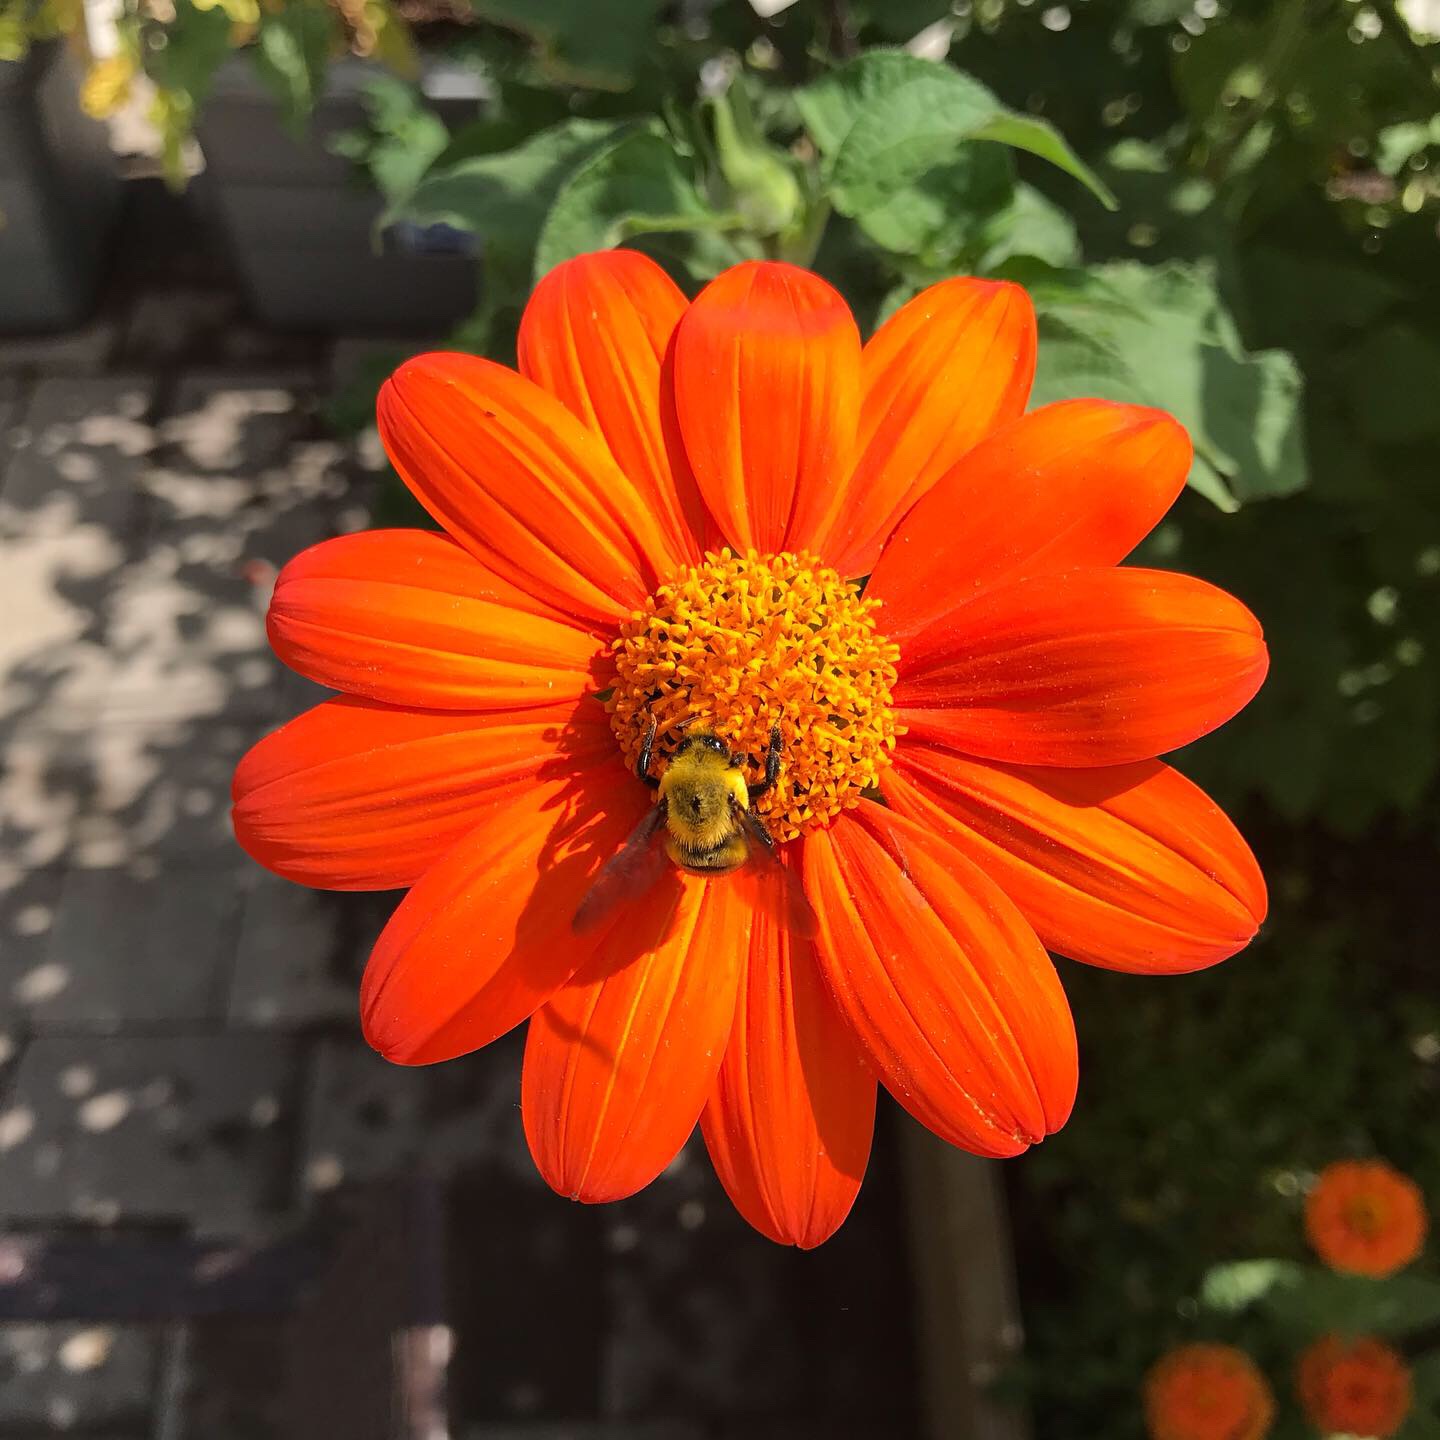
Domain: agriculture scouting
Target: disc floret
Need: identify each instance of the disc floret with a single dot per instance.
(739, 643)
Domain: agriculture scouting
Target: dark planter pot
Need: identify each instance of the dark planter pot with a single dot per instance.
(59, 192)
(301, 226)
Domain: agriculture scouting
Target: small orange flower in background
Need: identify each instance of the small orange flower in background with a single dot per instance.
(1365, 1218)
(1354, 1387)
(664, 516)
(1207, 1392)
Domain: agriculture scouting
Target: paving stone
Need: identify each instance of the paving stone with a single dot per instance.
(72, 352)
(205, 324)
(10, 392)
(160, 792)
(69, 509)
(54, 666)
(235, 423)
(75, 1377)
(187, 635)
(192, 1129)
(366, 1118)
(12, 1046)
(128, 948)
(77, 452)
(28, 900)
(301, 952)
(44, 781)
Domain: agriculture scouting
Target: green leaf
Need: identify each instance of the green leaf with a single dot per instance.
(1307, 1300)
(635, 186)
(941, 214)
(888, 119)
(599, 43)
(403, 140)
(1024, 132)
(831, 105)
(1233, 1288)
(504, 197)
(197, 43)
(1161, 336)
(291, 56)
(1322, 1302)
(1030, 225)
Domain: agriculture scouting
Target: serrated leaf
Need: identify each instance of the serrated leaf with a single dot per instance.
(1160, 335)
(829, 105)
(942, 212)
(635, 186)
(887, 120)
(900, 134)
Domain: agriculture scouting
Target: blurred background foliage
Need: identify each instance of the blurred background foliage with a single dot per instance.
(1240, 225)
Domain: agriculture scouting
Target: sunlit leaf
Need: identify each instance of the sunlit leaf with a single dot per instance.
(637, 185)
(888, 119)
(1160, 335)
(1024, 132)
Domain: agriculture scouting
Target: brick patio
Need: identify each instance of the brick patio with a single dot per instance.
(179, 1058)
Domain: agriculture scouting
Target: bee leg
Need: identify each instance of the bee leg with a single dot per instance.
(642, 765)
(772, 764)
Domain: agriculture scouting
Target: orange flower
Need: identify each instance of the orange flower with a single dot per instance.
(1354, 1387)
(1207, 1392)
(661, 516)
(1365, 1218)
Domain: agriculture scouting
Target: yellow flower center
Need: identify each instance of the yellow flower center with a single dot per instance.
(1367, 1215)
(740, 643)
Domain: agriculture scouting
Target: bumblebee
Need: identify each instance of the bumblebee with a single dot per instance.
(702, 802)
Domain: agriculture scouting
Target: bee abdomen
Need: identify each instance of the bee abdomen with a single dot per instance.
(719, 859)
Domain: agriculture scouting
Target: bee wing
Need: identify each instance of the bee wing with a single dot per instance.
(799, 916)
(631, 871)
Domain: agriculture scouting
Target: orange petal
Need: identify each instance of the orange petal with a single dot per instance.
(408, 617)
(947, 987)
(484, 938)
(939, 375)
(1085, 667)
(1077, 483)
(354, 795)
(1129, 866)
(767, 386)
(595, 334)
(618, 1064)
(522, 484)
(789, 1122)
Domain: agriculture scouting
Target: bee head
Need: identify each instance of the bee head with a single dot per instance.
(703, 740)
